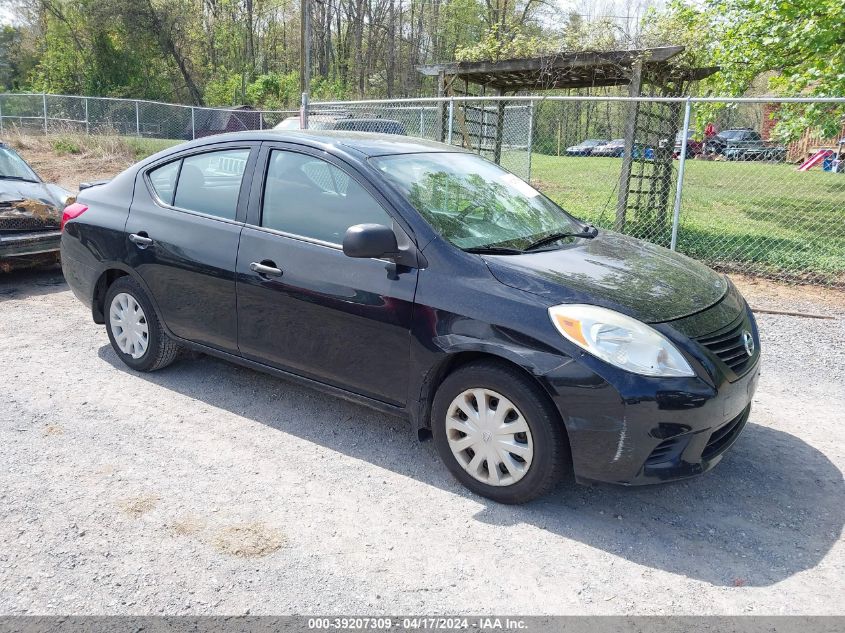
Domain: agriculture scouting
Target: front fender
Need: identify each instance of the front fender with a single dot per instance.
(443, 353)
(536, 361)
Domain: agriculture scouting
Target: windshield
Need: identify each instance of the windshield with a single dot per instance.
(13, 166)
(730, 135)
(474, 203)
(593, 141)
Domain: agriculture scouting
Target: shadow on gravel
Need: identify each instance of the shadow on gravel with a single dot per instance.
(774, 507)
(20, 284)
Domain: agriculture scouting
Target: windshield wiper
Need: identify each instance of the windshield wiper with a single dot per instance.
(588, 231)
(5, 177)
(492, 250)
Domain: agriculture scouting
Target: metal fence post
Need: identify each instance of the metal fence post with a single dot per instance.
(87, 121)
(303, 112)
(193, 124)
(44, 106)
(679, 189)
(451, 114)
(1, 118)
(530, 136)
(137, 119)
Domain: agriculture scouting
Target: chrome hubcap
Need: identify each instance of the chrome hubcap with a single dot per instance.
(129, 325)
(489, 437)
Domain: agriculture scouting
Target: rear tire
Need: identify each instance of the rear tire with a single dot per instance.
(527, 441)
(135, 332)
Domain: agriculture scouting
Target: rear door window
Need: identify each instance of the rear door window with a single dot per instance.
(211, 182)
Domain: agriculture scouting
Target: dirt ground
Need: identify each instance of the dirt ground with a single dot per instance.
(98, 161)
(211, 489)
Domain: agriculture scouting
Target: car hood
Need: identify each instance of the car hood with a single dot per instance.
(30, 205)
(647, 282)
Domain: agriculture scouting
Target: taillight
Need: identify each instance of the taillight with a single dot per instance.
(72, 211)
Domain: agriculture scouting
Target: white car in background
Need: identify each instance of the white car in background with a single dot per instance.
(315, 122)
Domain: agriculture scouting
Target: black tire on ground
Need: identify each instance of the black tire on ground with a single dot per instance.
(161, 349)
(551, 448)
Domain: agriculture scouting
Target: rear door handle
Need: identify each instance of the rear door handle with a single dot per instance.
(140, 239)
(265, 270)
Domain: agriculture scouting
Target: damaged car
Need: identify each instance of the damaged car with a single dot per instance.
(30, 214)
(427, 282)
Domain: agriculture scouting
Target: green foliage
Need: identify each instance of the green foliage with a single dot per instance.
(143, 147)
(64, 145)
(597, 35)
(15, 61)
(224, 91)
(799, 43)
(271, 91)
(509, 42)
(83, 53)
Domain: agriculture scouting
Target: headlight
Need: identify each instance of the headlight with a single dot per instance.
(620, 340)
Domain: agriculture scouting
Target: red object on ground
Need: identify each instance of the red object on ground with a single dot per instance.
(815, 159)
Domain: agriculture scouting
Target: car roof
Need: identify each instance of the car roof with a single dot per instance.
(367, 143)
(367, 120)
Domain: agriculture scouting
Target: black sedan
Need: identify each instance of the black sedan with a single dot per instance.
(427, 282)
(30, 212)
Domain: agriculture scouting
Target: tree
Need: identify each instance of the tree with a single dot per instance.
(801, 43)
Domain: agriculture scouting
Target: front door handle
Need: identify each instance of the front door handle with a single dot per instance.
(140, 239)
(265, 269)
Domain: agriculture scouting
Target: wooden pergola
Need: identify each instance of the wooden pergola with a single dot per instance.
(561, 71)
(573, 70)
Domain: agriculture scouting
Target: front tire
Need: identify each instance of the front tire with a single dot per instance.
(498, 433)
(135, 332)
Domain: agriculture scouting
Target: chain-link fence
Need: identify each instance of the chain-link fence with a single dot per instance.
(46, 114)
(707, 177)
(710, 178)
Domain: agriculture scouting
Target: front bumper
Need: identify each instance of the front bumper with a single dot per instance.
(632, 430)
(28, 244)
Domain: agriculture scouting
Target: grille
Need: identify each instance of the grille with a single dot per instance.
(725, 435)
(665, 451)
(729, 347)
(14, 219)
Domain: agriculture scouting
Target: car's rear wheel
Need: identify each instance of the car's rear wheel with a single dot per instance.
(135, 332)
(498, 433)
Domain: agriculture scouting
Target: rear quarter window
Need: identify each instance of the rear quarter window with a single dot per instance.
(163, 180)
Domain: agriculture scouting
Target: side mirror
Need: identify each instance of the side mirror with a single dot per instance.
(370, 240)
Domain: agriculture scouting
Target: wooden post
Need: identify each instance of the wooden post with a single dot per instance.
(500, 127)
(630, 134)
(440, 132)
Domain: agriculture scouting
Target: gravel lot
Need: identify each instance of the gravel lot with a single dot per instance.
(208, 488)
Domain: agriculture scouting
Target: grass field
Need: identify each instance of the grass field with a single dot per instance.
(764, 219)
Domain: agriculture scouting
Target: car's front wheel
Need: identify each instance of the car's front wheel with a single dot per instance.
(134, 330)
(498, 433)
